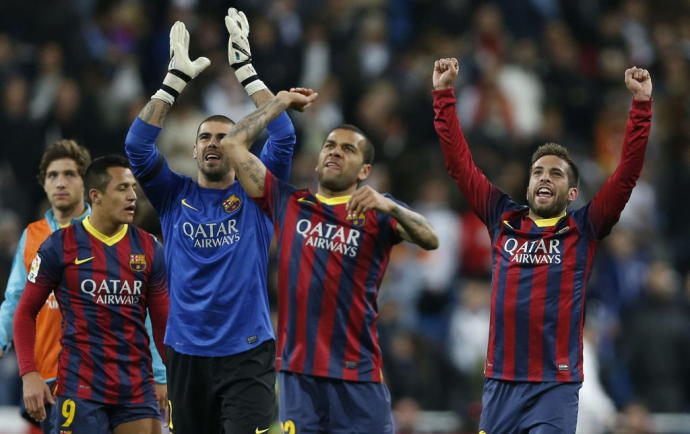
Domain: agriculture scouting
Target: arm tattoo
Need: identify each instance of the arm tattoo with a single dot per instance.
(411, 219)
(416, 226)
(249, 127)
(253, 170)
(154, 112)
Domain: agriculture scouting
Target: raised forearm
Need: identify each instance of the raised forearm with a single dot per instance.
(249, 127)
(155, 112)
(261, 97)
(416, 229)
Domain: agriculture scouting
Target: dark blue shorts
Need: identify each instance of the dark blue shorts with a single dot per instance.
(526, 407)
(310, 404)
(83, 416)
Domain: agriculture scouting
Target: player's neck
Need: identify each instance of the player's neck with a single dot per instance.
(537, 218)
(103, 224)
(328, 193)
(64, 217)
(222, 184)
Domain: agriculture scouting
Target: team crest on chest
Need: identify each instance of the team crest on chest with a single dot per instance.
(358, 220)
(137, 262)
(232, 204)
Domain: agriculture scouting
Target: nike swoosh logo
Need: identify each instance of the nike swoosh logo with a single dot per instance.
(184, 202)
(303, 200)
(256, 431)
(78, 261)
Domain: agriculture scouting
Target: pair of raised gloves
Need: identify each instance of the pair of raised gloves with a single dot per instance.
(182, 69)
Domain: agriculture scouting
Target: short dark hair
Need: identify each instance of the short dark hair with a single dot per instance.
(368, 151)
(97, 173)
(561, 152)
(60, 149)
(214, 118)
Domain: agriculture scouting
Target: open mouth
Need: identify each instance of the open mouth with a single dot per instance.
(544, 192)
(332, 165)
(130, 208)
(212, 156)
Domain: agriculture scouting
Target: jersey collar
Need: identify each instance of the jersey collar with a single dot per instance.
(332, 200)
(542, 223)
(105, 239)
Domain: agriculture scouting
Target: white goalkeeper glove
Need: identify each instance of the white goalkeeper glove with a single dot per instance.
(180, 69)
(239, 52)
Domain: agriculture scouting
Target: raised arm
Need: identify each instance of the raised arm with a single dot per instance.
(412, 226)
(277, 152)
(476, 188)
(607, 205)
(140, 143)
(250, 171)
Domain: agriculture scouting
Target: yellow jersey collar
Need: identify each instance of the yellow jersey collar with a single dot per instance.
(332, 200)
(542, 223)
(105, 239)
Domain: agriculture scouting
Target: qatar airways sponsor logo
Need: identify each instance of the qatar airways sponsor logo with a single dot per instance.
(113, 291)
(335, 238)
(209, 235)
(533, 252)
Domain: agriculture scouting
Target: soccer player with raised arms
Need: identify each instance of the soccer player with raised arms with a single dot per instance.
(105, 274)
(541, 260)
(220, 338)
(333, 248)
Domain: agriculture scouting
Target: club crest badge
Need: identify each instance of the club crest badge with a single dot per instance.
(359, 220)
(137, 262)
(232, 204)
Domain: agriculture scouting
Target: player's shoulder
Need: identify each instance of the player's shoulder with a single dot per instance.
(302, 193)
(38, 228)
(143, 234)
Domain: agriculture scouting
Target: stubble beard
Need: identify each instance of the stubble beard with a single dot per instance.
(556, 208)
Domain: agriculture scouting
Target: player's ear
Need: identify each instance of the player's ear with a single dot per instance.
(95, 196)
(364, 172)
(573, 193)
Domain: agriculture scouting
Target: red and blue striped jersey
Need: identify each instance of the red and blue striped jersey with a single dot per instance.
(539, 268)
(329, 271)
(103, 287)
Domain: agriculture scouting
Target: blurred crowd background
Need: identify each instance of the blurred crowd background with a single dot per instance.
(531, 71)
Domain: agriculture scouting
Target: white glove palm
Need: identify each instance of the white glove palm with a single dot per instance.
(180, 69)
(179, 52)
(240, 53)
(239, 50)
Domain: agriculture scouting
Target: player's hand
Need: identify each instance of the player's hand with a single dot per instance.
(2, 353)
(161, 394)
(365, 199)
(180, 69)
(445, 72)
(240, 53)
(298, 98)
(36, 394)
(179, 52)
(239, 50)
(639, 83)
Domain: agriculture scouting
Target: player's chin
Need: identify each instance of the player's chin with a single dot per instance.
(127, 216)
